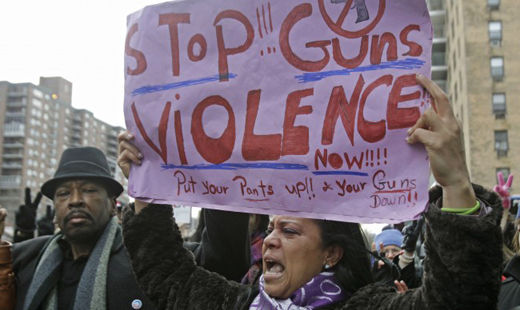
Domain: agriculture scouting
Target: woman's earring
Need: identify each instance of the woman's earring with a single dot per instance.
(327, 266)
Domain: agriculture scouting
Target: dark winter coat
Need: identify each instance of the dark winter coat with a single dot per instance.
(122, 287)
(224, 249)
(462, 269)
(509, 297)
(387, 274)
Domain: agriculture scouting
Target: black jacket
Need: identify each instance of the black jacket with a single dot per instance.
(387, 274)
(225, 245)
(509, 297)
(224, 249)
(122, 287)
(462, 269)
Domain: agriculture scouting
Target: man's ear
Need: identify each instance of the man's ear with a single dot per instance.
(334, 255)
(113, 206)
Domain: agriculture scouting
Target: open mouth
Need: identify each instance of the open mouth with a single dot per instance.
(273, 269)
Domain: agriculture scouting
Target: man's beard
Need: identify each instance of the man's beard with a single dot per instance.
(87, 235)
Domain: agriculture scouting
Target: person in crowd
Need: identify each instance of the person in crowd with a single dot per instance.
(45, 225)
(320, 264)
(224, 244)
(25, 217)
(508, 220)
(119, 212)
(389, 242)
(7, 281)
(258, 224)
(399, 265)
(86, 262)
(3, 215)
(510, 290)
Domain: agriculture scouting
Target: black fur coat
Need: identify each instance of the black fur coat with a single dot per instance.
(462, 269)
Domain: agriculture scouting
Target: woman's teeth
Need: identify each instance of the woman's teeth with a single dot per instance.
(275, 268)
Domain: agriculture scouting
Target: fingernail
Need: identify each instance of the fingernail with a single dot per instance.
(409, 131)
(130, 136)
(418, 75)
(140, 155)
(408, 140)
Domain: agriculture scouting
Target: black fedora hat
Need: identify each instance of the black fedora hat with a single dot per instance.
(82, 163)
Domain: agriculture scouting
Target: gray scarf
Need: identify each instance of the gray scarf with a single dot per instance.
(91, 291)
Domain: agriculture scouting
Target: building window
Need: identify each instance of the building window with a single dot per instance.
(501, 143)
(493, 4)
(497, 68)
(495, 33)
(37, 103)
(499, 105)
(37, 93)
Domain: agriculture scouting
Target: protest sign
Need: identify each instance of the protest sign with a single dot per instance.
(280, 107)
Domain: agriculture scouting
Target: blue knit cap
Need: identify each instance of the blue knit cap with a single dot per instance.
(389, 237)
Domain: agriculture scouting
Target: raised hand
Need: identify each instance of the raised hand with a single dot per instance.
(502, 189)
(25, 217)
(440, 133)
(128, 153)
(411, 234)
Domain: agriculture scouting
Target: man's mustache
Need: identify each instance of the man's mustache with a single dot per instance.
(77, 213)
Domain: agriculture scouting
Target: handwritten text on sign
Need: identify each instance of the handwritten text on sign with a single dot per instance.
(280, 107)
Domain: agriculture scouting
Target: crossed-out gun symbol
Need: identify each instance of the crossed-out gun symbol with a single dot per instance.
(361, 8)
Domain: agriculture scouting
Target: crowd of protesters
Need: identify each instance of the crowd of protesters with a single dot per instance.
(463, 253)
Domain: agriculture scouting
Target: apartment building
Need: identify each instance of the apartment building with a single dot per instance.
(483, 79)
(438, 18)
(38, 122)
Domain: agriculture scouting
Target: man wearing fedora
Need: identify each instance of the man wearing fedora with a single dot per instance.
(85, 265)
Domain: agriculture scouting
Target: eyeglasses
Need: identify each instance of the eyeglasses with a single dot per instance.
(391, 251)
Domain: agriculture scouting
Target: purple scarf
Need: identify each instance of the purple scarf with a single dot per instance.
(257, 240)
(318, 292)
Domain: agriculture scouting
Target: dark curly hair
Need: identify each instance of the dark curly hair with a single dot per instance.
(353, 270)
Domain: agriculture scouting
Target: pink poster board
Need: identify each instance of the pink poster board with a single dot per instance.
(280, 107)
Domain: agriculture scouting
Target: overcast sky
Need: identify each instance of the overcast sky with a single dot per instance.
(82, 41)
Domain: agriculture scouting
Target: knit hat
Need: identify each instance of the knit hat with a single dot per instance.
(389, 237)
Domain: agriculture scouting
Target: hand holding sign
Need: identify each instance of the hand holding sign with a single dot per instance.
(128, 153)
(502, 189)
(440, 133)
